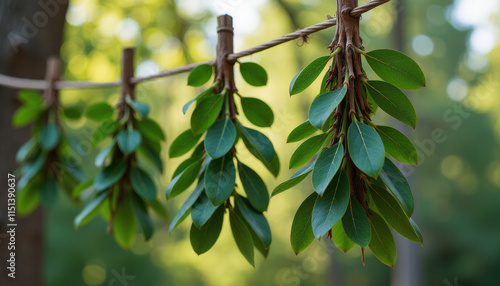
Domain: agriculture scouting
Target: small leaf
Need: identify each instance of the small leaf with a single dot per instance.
(295, 179)
(254, 186)
(26, 114)
(142, 184)
(304, 130)
(73, 112)
(220, 138)
(261, 147)
(326, 167)
(150, 129)
(307, 150)
(340, 238)
(382, 242)
(393, 101)
(200, 75)
(124, 223)
(141, 212)
(49, 136)
(220, 177)
(356, 223)
(205, 114)
(202, 239)
(197, 98)
(139, 107)
(30, 97)
(396, 68)
(302, 234)
(182, 144)
(99, 111)
(255, 219)
(307, 76)
(397, 145)
(257, 111)
(396, 182)
(91, 209)
(202, 210)
(106, 128)
(147, 152)
(101, 157)
(26, 150)
(33, 165)
(242, 236)
(366, 148)
(82, 187)
(48, 191)
(330, 207)
(184, 179)
(110, 175)
(253, 73)
(28, 197)
(186, 207)
(128, 140)
(324, 105)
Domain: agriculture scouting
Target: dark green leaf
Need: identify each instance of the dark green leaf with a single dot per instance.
(205, 114)
(295, 179)
(48, 191)
(128, 140)
(141, 212)
(26, 150)
(396, 182)
(150, 129)
(33, 165)
(183, 180)
(202, 239)
(307, 76)
(340, 238)
(257, 143)
(147, 152)
(220, 138)
(302, 234)
(139, 107)
(253, 73)
(106, 128)
(26, 114)
(307, 150)
(326, 167)
(324, 105)
(396, 68)
(200, 75)
(99, 111)
(366, 148)
(124, 223)
(304, 130)
(186, 163)
(417, 229)
(49, 136)
(110, 175)
(397, 145)
(202, 210)
(186, 207)
(254, 186)
(255, 219)
(74, 111)
(382, 242)
(101, 157)
(90, 210)
(257, 111)
(142, 184)
(197, 98)
(393, 101)
(330, 207)
(220, 177)
(356, 223)
(242, 236)
(182, 144)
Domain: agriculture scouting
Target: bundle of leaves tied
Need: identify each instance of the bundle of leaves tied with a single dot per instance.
(214, 163)
(123, 191)
(359, 191)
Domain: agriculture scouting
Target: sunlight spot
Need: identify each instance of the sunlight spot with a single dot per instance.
(93, 274)
(422, 45)
(452, 167)
(128, 29)
(457, 89)
(76, 15)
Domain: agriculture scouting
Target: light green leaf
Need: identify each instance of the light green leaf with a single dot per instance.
(82, 187)
(295, 179)
(143, 184)
(326, 167)
(302, 233)
(33, 166)
(307, 150)
(206, 112)
(128, 140)
(254, 186)
(304, 130)
(307, 76)
(340, 238)
(180, 182)
(183, 143)
(26, 149)
(200, 75)
(124, 225)
(110, 175)
(28, 197)
(90, 210)
(220, 178)
(366, 148)
(141, 212)
(253, 73)
(257, 111)
(220, 138)
(202, 210)
(197, 98)
(186, 207)
(99, 111)
(202, 239)
(356, 223)
(242, 236)
(150, 129)
(396, 182)
(101, 157)
(255, 219)
(140, 107)
(30, 97)
(324, 105)
(26, 114)
(49, 136)
(397, 145)
(382, 242)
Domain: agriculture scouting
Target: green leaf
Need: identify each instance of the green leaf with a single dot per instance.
(26, 114)
(326, 167)
(220, 138)
(202, 210)
(99, 111)
(392, 212)
(255, 219)
(393, 101)
(90, 210)
(141, 212)
(397, 145)
(183, 143)
(257, 111)
(307, 150)
(48, 191)
(183, 180)
(330, 207)
(255, 188)
(324, 105)
(101, 157)
(253, 73)
(73, 112)
(139, 107)
(197, 98)
(124, 223)
(110, 175)
(261, 147)
(304, 130)
(294, 180)
(302, 234)
(148, 153)
(128, 140)
(205, 114)
(382, 242)
(30, 97)
(200, 75)
(396, 182)
(356, 223)
(26, 149)
(28, 197)
(417, 229)
(366, 148)
(202, 239)
(82, 187)
(142, 184)
(33, 166)
(340, 238)
(150, 129)
(242, 236)
(186, 207)
(220, 177)
(396, 68)
(49, 136)
(307, 76)
(183, 166)
(106, 128)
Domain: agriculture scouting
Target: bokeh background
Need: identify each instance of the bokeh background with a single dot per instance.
(456, 185)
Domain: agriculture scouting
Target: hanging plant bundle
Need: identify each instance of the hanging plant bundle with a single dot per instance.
(359, 192)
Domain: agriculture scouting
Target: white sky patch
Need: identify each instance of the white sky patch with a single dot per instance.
(457, 89)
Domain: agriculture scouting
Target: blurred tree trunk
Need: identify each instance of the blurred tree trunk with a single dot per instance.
(408, 267)
(30, 32)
